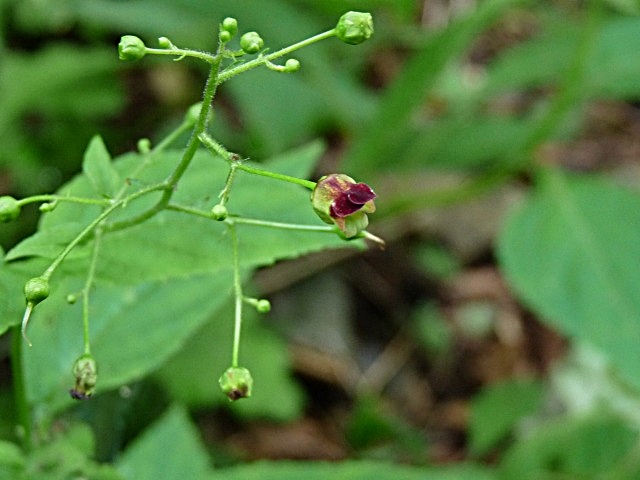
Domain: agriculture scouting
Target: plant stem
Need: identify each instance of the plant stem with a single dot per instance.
(233, 71)
(237, 290)
(87, 289)
(284, 226)
(20, 388)
(182, 53)
(62, 198)
(91, 226)
(230, 158)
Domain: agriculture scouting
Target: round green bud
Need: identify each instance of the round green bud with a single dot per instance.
(263, 305)
(355, 27)
(72, 298)
(144, 145)
(225, 36)
(131, 48)
(230, 25)
(85, 370)
(164, 42)
(251, 42)
(36, 290)
(193, 113)
(219, 212)
(236, 383)
(292, 65)
(48, 207)
(9, 209)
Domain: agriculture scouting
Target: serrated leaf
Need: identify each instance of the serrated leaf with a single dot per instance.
(134, 329)
(148, 458)
(572, 253)
(98, 168)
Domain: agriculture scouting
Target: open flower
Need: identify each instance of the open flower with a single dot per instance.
(339, 199)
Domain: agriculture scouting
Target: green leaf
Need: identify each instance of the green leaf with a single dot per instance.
(498, 409)
(134, 329)
(169, 449)
(12, 460)
(99, 170)
(571, 252)
(350, 470)
(385, 135)
(597, 446)
(208, 353)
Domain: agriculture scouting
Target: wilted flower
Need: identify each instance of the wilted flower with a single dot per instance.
(236, 383)
(86, 372)
(339, 199)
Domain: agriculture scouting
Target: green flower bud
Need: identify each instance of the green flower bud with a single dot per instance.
(85, 370)
(9, 209)
(251, 42)
(225, 36)
(193, 113)
(164, 42)
(72, 298)
(219, 212)
(131, 48)
(355, 27)
(236, 383)
(230, 25)
(144, 145)
(48, 207)
(263, 305)
(36, 290)
(292, 65)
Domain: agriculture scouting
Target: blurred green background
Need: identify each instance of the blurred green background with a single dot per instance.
(498, 330)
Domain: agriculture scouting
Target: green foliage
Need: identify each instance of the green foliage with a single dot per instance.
(571, 252)
(496, 411)
(161, 291)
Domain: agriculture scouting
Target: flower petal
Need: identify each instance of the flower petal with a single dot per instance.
(360, 193)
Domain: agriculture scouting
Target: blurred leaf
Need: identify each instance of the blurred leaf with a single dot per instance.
(571, 252)
(99, 170)
(351, 470)
(598, 446)
(12, 460)
(68, 455)
(612, 68)
(169, 449)
(387, 132)
(498, 409)
(208, 353)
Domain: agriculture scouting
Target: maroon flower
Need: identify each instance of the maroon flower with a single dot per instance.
(338, 199)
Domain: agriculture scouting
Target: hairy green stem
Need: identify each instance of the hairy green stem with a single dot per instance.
(182, 53)
(63, 198)
(87, 289)
(237, 290)
(218, 149)
(94, 223)
(20, 389)
(262, 59)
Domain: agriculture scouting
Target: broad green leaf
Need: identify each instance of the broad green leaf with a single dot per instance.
(174, 244)
(208, 353)
(98, 168)
(613, 66)
(47, 243)
(134, 329)
(350, 470)
(597, 446)
(169, 449)
(498, 409)
(378, 144)
(571, 252)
